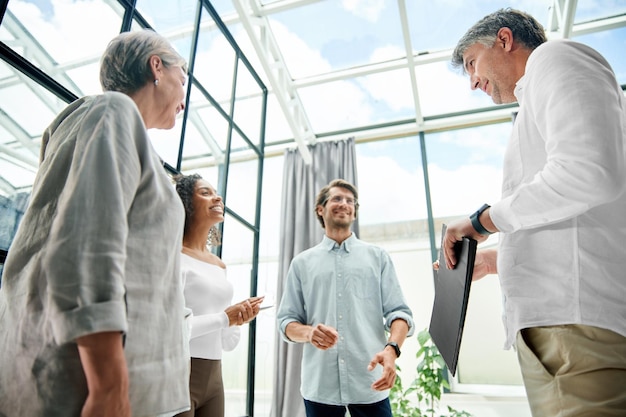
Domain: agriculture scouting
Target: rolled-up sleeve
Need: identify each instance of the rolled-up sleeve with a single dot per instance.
(291, 307)
(394, 304)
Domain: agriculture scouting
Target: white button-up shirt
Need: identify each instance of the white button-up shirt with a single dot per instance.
(562, 251)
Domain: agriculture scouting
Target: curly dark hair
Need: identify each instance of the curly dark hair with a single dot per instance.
(185, 187)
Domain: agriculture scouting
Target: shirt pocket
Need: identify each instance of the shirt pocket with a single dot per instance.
(362, 283)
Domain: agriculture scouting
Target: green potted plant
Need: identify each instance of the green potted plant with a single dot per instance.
(421, 398)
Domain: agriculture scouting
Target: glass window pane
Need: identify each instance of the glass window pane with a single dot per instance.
(215, 62)
(249, 105)
(445, 90)
(51, 35)
(379, 163)
(166, 142)
(206, 133)
(237, 251)
(465, 171)
(329, 35)
(326, 113)
(243, 172)
(237, 244)
(587, 10)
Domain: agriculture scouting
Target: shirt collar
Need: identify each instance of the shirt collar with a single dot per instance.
(329, 244)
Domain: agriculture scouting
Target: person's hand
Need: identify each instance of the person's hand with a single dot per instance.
(323, 337)
(244, 311)
(387, 359)
(484, 264)
(455, 232)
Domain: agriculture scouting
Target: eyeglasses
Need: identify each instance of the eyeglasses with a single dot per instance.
(338, 199)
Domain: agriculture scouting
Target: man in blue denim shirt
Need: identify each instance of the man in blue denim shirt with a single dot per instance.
(342, 298)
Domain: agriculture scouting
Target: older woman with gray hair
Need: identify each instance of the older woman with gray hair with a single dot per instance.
(91, 304)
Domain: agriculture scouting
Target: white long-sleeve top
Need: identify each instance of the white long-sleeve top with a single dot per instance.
(207, 294)
(562, 253)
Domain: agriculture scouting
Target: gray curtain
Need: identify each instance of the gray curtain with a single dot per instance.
(300, 230)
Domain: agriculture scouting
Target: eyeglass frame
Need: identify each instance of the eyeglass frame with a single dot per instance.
(341, 199)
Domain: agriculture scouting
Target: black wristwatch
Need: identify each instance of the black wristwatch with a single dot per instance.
(395, 347)
(476, 223)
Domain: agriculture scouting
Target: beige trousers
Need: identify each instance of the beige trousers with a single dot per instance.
(573, 370)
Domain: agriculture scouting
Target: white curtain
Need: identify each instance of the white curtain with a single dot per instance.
(300, 230)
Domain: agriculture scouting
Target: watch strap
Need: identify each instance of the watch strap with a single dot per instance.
(476, 223)
(395, 347)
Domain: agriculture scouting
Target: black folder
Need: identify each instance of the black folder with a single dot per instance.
(452, 288)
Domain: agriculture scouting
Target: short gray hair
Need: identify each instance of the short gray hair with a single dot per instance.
(125, 65)
(525, 28)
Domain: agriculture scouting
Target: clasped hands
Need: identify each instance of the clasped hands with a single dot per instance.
(244, 311)
(324, 337)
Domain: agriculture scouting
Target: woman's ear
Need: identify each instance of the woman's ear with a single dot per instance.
(156, 66)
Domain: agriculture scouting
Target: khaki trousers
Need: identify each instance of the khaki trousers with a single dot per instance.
(573, 370)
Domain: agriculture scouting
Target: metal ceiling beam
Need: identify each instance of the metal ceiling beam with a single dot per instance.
(33, 51)
(374, 68)
(561, 19)
(406, 34)
(18, 132)
(609, 23)
(262, 39)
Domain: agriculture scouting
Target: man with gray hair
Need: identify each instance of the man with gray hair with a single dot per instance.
(561, 256)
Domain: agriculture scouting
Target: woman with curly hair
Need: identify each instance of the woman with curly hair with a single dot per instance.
(214, 324)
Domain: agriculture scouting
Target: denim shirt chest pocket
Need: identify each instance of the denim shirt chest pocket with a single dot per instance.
(362, 282)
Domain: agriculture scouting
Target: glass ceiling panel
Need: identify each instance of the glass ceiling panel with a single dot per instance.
(21, 100)
(611, 44)
(206, 133)
(18, 176)
(241, 188)
(445, 90)
(331, 35)
(438, 25)
(276, 126)
(248, 110)
(52, 34)
(372, 99)
(168, 15)
(215, 62)
(223, 7)
(594, 9)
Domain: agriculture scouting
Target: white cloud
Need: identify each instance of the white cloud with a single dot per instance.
(63, 36)
(367, 9)
(302, 59)
(389, 193)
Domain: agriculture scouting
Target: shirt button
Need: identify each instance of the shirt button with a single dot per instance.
(339, 295)
(340, 317)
